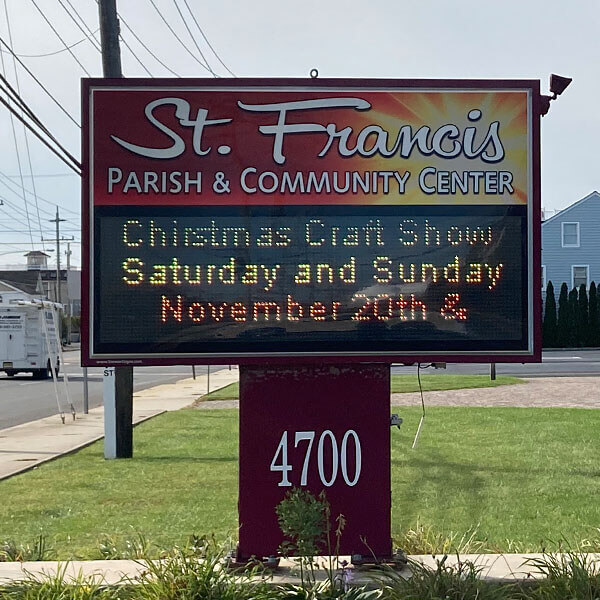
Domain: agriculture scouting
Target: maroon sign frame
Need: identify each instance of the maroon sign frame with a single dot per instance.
(90, 137)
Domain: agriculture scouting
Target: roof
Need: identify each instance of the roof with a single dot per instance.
(7, 287)
(37, 253)
(566, 210)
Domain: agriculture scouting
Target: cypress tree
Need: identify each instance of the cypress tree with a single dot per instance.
(549, 324)
(594, 330)
(574, 319)
(583, 322)
(564, 319)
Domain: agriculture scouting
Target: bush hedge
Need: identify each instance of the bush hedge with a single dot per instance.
(576, 323)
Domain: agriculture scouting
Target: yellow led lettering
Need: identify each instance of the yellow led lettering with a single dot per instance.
(175, 268)
(347, 271)
(250, 276)
(373, 233)
(194, 279)
(432, 235)
(210, 272)
(494, 274)
(428, 267)
(227, 272)
(265, 239)
(352, 237)
(454, 235)
(408, 236)
(303, 274)
(311, 229)
(270, 275)
(158, 237)
(384, 273)
(474, 275)
(361, 313)
(127, 240)
(159, 277)
(134, 275)
(409, 277)
(452, 272)
(324, 272)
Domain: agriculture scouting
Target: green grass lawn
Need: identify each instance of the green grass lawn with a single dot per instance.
(403, 384)
(515, 474)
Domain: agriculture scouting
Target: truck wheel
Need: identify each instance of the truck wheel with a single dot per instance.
(10, 373)
(42, 373)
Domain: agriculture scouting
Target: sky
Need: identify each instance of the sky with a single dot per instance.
(512, 39)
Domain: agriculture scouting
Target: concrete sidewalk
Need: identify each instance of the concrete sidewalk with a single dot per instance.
(25, 446)
(498, 568)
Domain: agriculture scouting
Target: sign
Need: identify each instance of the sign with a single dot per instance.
(329, 431)
(242, 220)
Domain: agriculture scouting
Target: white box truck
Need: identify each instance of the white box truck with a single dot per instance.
(23, 343)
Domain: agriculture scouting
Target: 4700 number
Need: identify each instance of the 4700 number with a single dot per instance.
(327, 443)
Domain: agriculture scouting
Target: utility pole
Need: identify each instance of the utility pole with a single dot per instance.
(118, 406)
(57, 240)
(58, 221)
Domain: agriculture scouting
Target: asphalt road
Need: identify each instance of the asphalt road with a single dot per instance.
(555, 363)
(24, 399)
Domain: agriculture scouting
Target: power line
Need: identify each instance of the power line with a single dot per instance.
(135, 55)
(60, 38)
(14, 133)
(15, 96)
(91, 39)
(39, 83)
(13, 183)
(37, 206)
(146, 47)
(193, 38)
(177, 37)
(206, 39)
(46, 54)
(74, 166)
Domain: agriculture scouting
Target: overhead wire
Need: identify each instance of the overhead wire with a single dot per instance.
(29, 72)
(53, 204)
(194, 39)
(90, 38)
(18, 156)
(183, 44)
(37, 207)
(46, 54)
(135, 35)
(60, 38)
(206, 39)
(76, 166)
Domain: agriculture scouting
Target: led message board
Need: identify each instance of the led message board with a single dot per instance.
(371, 220)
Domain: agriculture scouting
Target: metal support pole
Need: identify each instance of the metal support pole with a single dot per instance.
(194, 371)
(492, 371)
(86, 401)
(208, 380)
(123, 376)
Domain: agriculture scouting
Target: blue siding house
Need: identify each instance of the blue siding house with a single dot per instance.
(571, 245)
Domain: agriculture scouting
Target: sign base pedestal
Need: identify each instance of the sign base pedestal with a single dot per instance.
(322, 428)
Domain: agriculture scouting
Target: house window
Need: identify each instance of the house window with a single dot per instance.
(543, 277)
(580, 275)
(570, 235)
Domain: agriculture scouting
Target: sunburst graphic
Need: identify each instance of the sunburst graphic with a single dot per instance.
(393, 110)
